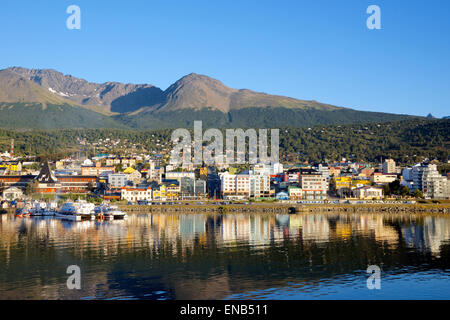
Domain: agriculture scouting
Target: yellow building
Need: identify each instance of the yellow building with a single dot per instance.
(128, 170)
(166, 192)
(343, 182)
(11, 165)
(357, 183)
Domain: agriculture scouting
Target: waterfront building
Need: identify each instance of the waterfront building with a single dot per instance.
(434, 185)
(166, 192)
(417, 173)
(192, 188)
(77, 184)
(295, 193)
(259, 185)
(368, 193)
(313, 184)
(343, 182)
(245, 185)
(7, 181)
(135, 194)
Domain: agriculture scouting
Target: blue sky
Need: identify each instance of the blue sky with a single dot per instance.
(318, 50)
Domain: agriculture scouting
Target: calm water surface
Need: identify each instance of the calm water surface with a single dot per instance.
(200, 256)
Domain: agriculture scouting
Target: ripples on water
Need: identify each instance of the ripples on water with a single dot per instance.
(176, 256)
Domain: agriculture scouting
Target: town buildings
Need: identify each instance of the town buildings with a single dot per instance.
(96, 170)
(133, 177)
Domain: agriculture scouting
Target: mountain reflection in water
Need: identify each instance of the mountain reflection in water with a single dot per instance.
(200, 256)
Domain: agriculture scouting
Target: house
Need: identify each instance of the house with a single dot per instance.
(295, 193)
(136, 194)
(135, 176)
(366, 172)
(282, 195)
(383, 178)
(12, 193)
(368, 192)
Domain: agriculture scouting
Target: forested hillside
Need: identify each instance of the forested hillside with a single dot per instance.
(406, 141)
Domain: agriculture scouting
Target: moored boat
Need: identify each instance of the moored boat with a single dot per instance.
(43, 209)
(76, 211)
(108, 212)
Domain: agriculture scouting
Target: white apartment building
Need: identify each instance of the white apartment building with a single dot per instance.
(417, 173)
(434, 185)
(248, 185)
(314, 185)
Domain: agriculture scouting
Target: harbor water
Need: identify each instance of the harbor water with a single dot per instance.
(229, 256)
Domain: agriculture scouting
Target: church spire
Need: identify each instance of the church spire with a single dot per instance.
(46, 175)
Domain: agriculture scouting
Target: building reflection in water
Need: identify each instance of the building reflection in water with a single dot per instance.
(178, 252)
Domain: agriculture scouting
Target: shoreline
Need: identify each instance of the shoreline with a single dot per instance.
(290, 208)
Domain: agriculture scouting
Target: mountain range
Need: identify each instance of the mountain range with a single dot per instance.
(48, 99)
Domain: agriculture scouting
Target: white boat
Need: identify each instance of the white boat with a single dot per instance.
(77, 211)
(42, 209)
(109, 212)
